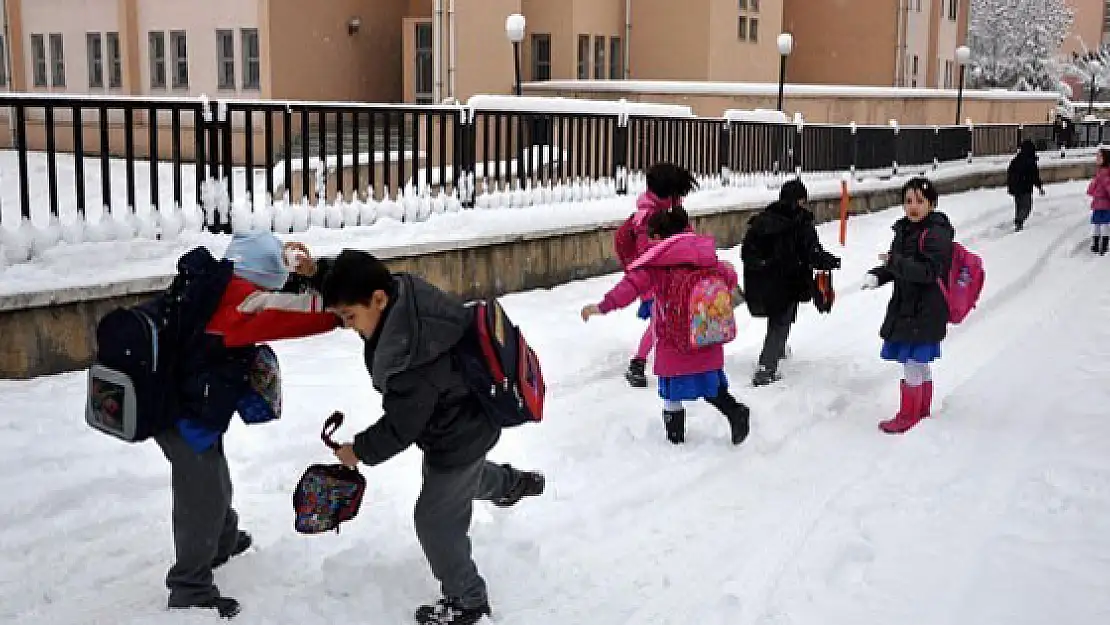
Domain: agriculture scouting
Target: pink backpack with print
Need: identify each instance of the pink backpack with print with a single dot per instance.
(699, 310)
(965, 281)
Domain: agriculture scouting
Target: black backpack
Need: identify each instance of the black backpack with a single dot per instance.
(501, 368)
(133, 382)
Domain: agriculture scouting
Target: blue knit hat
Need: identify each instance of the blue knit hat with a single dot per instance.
(258, 258)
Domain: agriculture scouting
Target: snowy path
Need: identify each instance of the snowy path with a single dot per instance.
(995, 511)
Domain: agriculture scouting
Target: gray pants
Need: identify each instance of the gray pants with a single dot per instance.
(442, 518)
(1023, 206)
(205, 526)
(778, 331)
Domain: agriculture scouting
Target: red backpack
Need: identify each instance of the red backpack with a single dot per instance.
(501, 368)
(697, 310)
(624, 241)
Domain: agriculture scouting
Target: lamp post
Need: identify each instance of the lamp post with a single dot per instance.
(785, 43)
(514, 28)
(1095, 67)
(963, 55)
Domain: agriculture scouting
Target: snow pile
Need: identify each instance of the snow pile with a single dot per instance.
(997, 509)
(534, 104)
(756, 115)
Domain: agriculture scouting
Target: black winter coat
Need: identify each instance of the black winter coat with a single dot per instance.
(1023, 175)
(780, 251)
(918, 312)
(425, 398)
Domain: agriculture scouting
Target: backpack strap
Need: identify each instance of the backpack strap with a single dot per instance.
(331, 426)
(485, 342)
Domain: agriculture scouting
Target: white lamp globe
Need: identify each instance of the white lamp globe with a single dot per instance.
(514, 27)
(785, 43)
(963, 55)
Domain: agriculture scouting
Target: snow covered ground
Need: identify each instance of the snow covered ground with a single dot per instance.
(996, 511)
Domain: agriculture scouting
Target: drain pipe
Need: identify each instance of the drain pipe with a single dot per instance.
(437, 52)
(452, 53)
(627, 39)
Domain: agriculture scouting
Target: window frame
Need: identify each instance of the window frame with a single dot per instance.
(250, 43)
(179, 75)
(156, 51)
(94, 59)
(541, 63)
(57, 48)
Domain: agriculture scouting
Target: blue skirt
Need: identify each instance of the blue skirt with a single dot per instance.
(694, 386)
(1100, 217)
(644, 312)
(917, 352)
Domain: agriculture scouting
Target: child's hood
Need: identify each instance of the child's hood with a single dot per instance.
(258, 258)
(649, 203)
(682, 249)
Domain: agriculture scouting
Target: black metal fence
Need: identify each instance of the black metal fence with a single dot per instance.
(72, 152)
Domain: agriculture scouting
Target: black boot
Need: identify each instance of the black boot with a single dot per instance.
(636, 376)
(1094, 244)
(765, 375)
(450, 611)
(226, 607)
(736, 413)
(675, 422)
(528, 484)
(1104, 247)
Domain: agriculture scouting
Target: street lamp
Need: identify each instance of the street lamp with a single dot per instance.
(1095, 67)
(963, 55)
(514, 28)
(785, 42)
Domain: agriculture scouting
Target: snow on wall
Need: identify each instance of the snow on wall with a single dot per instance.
(534, 104)
(673, 87)
(764, 116)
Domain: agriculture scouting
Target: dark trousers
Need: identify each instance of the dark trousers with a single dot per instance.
(442, 518)
(778, 331)
(205, 526)
(1023, 206)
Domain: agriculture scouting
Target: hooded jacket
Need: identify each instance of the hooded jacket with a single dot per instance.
(780, 251)
(649, 274)
(1099, 190)
(425, 399)
(920, 254)
(1023, 174)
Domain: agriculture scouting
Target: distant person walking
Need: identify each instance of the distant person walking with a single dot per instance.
(1021, 177)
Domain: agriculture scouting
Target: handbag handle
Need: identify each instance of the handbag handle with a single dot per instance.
(331, 426)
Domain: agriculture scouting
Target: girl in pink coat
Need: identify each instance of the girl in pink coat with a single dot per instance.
(667, 184)
(1099, 190)
(684, 375)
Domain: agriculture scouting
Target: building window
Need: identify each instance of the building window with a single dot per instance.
(38, 56)
(115, 62)
(252, 59)
(616, 57)
(57, 61)
(180, 45)
(157, 44)
(225, 59)
(541, 57)
(599, 57)
(753, 29)
(948, 82)
(94, 47)
(913, 77)
(747, 24)
(583, 57)
(742, 28)
(918, 6)
(422, 72)
(3, 61)
(953, 9)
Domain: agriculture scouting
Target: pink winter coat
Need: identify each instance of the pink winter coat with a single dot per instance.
(646, 205)
(1099, 190)
(647, 275)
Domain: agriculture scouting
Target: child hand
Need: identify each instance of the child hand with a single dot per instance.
(299, 259)
(589, 311)
(346, 455)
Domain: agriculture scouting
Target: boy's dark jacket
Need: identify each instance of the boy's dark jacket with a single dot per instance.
(1023, 174)
(917, 312)
(780, 251)
(425, 399)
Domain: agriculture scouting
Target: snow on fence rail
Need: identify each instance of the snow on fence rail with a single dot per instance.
(99, 168)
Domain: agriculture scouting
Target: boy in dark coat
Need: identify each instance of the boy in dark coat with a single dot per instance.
(1021, 177)
(780, 252)
(411, 330)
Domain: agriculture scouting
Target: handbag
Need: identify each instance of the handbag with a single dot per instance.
(327, 495)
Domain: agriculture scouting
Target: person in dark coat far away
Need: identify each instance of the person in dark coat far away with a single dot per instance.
(1021, 177)
(780, 252)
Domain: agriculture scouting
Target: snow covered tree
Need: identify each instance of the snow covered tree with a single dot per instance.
(1081, 66)
(1014, 43)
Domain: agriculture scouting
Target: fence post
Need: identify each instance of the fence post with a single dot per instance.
(897, 132)
(938, 144)
(466, 155)
(621, 147)
(855, 148)
(797, 156)
(1101, 125)
(970, 140)
(724, 150)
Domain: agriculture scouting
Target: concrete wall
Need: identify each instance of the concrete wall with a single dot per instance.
(53, 332)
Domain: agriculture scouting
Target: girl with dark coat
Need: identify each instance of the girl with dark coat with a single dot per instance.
(1021, 177)
(780, 252)
(917, 317)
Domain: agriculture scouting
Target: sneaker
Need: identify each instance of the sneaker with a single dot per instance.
(448, 611)
(636, 374)
(529, 484)
(226, 607)
(242, 542)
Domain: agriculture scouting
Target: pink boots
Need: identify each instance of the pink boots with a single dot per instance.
(916, 405)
